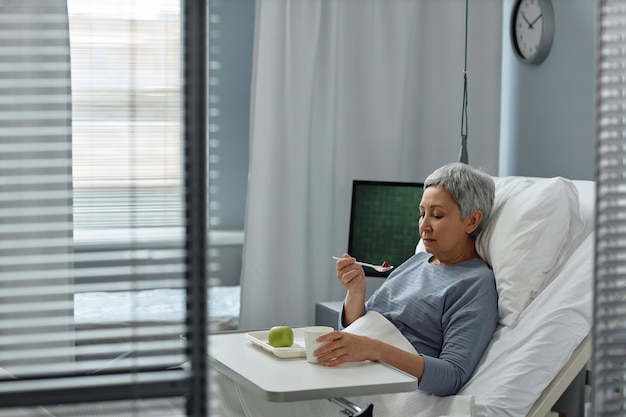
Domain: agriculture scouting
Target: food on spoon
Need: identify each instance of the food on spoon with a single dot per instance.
(385, 265)
(280, 336)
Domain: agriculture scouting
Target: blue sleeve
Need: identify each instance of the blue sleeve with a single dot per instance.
(340, 325)
(468, 328)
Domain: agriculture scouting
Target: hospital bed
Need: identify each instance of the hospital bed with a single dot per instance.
(540, 243)
(528, 366)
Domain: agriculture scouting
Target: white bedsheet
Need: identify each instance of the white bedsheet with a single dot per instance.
(409, 404)
(549, 330)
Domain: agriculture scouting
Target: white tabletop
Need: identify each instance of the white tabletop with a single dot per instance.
(295, 379)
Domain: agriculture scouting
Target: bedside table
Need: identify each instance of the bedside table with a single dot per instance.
(327, 313)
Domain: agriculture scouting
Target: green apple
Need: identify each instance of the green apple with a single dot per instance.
(280, 336)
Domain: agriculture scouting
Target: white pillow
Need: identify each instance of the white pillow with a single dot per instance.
(532, 226)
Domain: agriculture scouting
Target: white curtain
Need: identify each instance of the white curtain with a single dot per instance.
(343, 90)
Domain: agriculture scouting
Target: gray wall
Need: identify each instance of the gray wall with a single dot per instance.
(547, 113)
(230, 44)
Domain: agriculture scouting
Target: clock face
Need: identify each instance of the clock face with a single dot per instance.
(532, 29)
(528, 27)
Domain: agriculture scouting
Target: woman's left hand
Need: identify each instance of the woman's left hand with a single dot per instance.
(341, 347)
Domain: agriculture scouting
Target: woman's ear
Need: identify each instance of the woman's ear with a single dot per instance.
(472, 221)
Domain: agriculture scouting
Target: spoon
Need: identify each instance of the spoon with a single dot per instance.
(378, 268)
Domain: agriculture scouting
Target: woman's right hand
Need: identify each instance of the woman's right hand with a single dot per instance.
(351, 275)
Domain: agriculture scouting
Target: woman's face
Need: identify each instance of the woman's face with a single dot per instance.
(442, 230)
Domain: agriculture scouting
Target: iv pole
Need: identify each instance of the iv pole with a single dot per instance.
(463, 156)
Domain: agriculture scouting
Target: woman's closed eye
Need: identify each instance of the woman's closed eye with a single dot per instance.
(433, 215)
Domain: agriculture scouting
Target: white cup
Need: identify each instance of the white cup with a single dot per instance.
(310, 334)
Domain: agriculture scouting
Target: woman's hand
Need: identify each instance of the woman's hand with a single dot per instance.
(341, 347)
(351, 275)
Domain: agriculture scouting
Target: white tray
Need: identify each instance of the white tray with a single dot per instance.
(296, 350)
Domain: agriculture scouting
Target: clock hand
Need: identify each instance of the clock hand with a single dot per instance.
(530, 25)
(537, 18)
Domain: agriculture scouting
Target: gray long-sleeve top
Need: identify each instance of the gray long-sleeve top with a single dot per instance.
(447, 312)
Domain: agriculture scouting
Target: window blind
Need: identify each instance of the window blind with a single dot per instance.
(609, 357)
(98, 281)
(126, 136)
(36, 277)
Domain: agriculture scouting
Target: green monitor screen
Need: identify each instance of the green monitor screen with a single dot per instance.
(384, 222)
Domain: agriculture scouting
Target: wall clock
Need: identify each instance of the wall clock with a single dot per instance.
(532, 30)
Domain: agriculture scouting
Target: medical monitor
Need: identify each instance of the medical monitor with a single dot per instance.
(384, 222)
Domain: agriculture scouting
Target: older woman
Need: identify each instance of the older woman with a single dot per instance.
(444, 301)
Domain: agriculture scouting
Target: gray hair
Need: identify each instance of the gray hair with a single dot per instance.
(470, 188)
